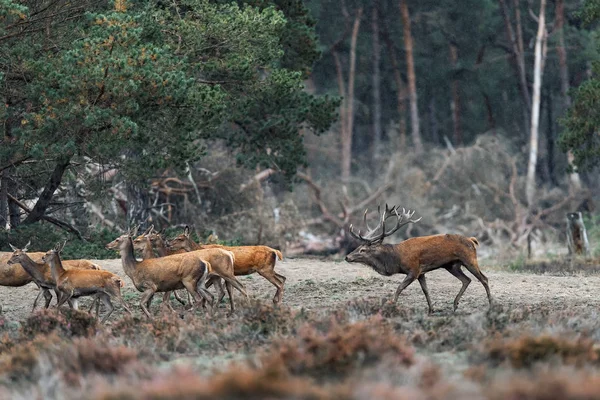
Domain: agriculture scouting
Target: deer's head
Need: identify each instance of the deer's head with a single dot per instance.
(18, 254)
(371, 242)
(181, 241)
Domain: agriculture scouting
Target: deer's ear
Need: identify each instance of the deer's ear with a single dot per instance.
(26, 246)
(13, 247)
(186, 230)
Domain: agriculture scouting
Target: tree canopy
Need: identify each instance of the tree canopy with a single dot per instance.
(144, 85)
(582, 122)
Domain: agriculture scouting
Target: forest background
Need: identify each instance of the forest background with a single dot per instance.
(279, 121)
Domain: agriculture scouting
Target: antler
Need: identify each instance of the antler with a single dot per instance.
(372, 236)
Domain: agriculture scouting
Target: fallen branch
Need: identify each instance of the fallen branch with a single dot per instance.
(261, 176)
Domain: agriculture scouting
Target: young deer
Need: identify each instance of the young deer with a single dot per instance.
(248, 259)
(41, 275)
(77, 283)
(14, 275)
(163, 274)
(223, 268)
(143, 244)
(417, 256)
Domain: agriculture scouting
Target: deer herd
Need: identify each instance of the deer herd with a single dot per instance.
(181, 263)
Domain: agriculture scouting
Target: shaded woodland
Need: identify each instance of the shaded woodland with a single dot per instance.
(279, 122)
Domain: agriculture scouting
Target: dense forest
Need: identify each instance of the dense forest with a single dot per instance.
(280, 121)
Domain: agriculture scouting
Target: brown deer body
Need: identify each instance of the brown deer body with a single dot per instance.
(77, 283)
(163, 274)
(143, 244)
(416, 256)
(248, 259)
(38, 272)
(14, 275)
(223, 267)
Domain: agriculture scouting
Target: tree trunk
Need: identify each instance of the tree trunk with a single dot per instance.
(400, 87)
(347, 135)
(490, 113)
(455, 103)
(46, 197)
(3, 199)
(577, 240)
(538, 68)
(14, 215)
(561, 50)
(376, 79)
(516, 44)
(412, 80)
(342, 89)
(433, 124)
(550, 138)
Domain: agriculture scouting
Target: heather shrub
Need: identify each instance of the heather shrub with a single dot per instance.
(68, 359)
(266, 319)
(341, 349)
(564, 385)
(526, 351)
(66, 322)
(238, 382)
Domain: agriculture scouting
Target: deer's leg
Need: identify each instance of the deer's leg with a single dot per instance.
(92, 304)
(457, 272)
(220, 290)
(178, 298)
(228, 287)
(474, 269)
(74, 303)
(407, 281)
(108, 304)
(423, 284)
(201, 286)
(119, 297)
(47, 298)
(146, 299)
(270, 276)
(167, 300)
(209, 283)
(282, 278)
(194, 291)
(64, 298)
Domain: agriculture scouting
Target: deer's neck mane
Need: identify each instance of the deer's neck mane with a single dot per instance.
(56, 268)
(147, 251)
(160, 246)
(386, 261)
(34, 269)
(128, 259)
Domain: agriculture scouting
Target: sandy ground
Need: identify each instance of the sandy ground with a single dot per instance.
(313, 283)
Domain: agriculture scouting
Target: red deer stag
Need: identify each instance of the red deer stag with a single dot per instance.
(417, 256)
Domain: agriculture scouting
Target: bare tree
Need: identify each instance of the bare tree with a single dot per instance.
(3, 199)
(400, 86)
(412, 80)
(515, 37)
(348, 114)
(376, 79)
(538, 69)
